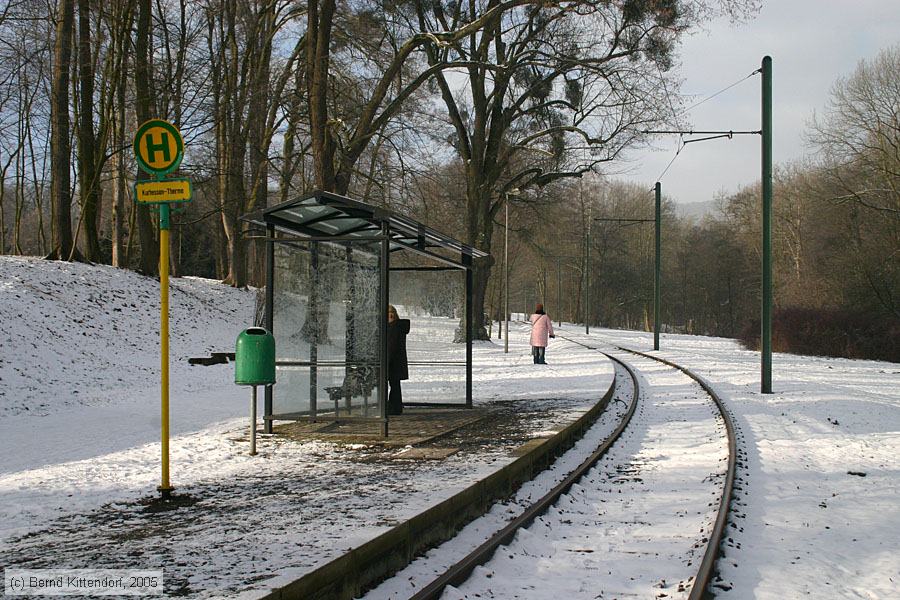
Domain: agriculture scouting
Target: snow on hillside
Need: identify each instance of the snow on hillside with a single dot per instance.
(80, 344)
(76, 334)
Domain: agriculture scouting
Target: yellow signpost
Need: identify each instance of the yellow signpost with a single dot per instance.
(159, 149)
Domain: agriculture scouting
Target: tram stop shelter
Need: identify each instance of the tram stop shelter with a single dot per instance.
(332, 267)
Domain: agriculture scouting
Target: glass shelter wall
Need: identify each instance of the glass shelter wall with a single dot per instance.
(332, 266)
(326, 320)
(435, 302)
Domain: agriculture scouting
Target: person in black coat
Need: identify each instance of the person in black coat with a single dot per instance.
(397, 367)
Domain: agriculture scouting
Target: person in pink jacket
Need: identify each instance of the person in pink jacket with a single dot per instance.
(541, 332)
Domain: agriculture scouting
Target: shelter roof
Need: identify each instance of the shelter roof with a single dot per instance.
(327, 217)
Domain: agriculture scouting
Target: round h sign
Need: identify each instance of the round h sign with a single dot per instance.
(158, 147)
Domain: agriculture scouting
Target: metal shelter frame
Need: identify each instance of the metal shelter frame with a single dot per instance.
(324, 217)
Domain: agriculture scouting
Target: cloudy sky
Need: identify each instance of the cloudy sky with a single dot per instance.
(811, 42)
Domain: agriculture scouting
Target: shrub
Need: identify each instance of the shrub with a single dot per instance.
(828, 332)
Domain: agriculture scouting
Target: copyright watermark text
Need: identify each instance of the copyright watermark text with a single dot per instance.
(82, 582)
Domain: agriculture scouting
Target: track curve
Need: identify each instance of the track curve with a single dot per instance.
(698, 584)
(707, 571)
(460, 571)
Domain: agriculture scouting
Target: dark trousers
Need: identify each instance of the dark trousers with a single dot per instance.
(395, 398)
(538, 353)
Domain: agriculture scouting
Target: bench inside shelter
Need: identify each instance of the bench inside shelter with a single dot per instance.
(359, 381)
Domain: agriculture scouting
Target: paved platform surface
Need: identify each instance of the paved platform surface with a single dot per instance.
(305, 499)
(417, 425)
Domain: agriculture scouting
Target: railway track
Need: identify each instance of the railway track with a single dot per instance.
(642, 516)
(460, 572)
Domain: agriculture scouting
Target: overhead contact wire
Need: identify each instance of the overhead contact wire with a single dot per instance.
(677, 152)
(681, 143)
(722, 91)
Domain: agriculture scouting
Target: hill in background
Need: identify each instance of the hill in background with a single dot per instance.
(696, 210)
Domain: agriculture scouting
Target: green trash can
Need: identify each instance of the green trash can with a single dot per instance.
(254, 357)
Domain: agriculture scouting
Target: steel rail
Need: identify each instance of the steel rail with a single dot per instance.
(714, 548)
(460, 571)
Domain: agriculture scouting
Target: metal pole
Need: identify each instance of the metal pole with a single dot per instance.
(587, 278)
(657, 267)
(165, 489)
(270, 305)
(527, 307)
(506, 278)
(349, 330)
(467, 261)
(558, 286)
(384, 285)
(314, 342)
(766, 333)
(543, 291)
(253, 424)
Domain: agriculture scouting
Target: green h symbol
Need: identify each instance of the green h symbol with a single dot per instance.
(162, 146)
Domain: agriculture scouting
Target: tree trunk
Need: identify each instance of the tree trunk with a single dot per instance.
(318, 37)
(480, 231)
(60, 149)
(221, 253)
(146, 231)
(259, 138)
(2, 197)
(289, 161)
(237, 268)
(119, 190)
(233, 195)
(20, 184)
(88, 182)
(39, 181)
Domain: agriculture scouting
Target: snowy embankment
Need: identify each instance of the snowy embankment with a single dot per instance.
(79, 363)
(79, 383)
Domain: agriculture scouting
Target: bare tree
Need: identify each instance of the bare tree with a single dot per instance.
(859, 135)
(88, 159)
(241, 39)
(552, 91)
(142, 108)
(338, 141)
(60, 146)
(859, 143)
(121, 21)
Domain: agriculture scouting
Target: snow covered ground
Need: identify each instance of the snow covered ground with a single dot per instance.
(817, 509)
(79, 431)
(80, 354)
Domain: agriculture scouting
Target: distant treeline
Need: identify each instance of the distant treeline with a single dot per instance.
(836, 242)
(448, 112)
